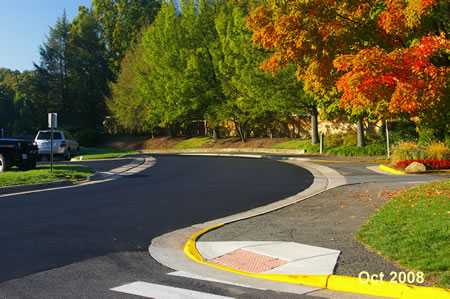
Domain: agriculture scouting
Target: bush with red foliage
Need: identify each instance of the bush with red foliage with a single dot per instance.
(429, 163)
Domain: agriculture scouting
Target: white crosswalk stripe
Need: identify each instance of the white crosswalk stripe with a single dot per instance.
(151, 290)
(194, 276)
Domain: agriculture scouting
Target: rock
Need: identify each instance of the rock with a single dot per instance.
(415, 167)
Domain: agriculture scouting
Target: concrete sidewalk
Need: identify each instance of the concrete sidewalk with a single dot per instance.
(311, 238)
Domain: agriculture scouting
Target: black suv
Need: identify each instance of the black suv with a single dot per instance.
(17, 152)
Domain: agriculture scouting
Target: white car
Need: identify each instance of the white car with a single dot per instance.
(64, 144)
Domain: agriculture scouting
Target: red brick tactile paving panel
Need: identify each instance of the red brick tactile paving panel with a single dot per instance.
(248, 261)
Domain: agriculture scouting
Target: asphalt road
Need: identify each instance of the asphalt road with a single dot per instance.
(80, 242)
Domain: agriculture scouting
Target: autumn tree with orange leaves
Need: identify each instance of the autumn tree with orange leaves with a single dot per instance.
(374, 59)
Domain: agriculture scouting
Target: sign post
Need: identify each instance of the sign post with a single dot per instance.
(52, 123)
(387, 139)
(321, 143)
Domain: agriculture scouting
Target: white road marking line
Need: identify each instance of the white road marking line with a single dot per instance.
(195, 276)
(151, 290)
(107, 176)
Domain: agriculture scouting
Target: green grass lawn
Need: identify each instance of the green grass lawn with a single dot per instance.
(196, 142)
(298, 144)
(42, 174)
(413, 229)
(89, 153)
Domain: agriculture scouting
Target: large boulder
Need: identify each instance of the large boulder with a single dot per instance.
(416, 167)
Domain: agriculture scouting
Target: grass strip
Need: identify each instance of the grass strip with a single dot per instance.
(42, 174)
(298, 144)
(413, 229)
(90, 153)
(196, 142)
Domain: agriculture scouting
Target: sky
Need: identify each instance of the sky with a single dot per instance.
(24, 25)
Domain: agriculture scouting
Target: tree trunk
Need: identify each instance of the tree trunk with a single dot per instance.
(215, 133)
(239, 130)
(314, 126)
(360, 133)
(173, 130)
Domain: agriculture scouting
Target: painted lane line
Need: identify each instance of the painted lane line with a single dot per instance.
(151, 290)
(198, 277)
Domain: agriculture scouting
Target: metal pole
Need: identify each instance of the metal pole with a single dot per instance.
(387, 140)
(51, 142)
(321, 143)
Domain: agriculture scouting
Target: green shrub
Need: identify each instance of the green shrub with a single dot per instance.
(350, 138)
(407, 151)
(333, 140)
(373, 137)
(88, 137)
(340, 139)
(426, 136)
(437, 151)
(400, 131)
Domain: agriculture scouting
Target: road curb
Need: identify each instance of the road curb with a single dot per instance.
(94, 176)
(226, 150)
(384, 288)
(391, 170)
(37, 186)
(311, 280)
(401, 172)
(332, 282)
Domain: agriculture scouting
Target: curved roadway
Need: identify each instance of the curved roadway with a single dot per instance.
(49, 229)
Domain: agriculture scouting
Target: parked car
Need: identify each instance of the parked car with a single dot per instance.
(17, 152)
(64, 145)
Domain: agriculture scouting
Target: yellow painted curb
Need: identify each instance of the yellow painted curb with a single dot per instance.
(354, 285)
(388, 169)
(384, 288)
(348, 161)
(312, 280)
(331, 282)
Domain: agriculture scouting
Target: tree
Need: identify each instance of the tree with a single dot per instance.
(314, 34)
(88, 70)
(53, 67)
(253, 96)
(311, 34)
(409, 78)
(127, 104)
(178, 48)
(121, 21)
(7, 108)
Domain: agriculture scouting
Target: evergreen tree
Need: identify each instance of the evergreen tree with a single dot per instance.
(88, 70)
(121, 21)
(53, 68)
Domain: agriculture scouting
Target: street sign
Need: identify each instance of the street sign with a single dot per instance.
(53, 117)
